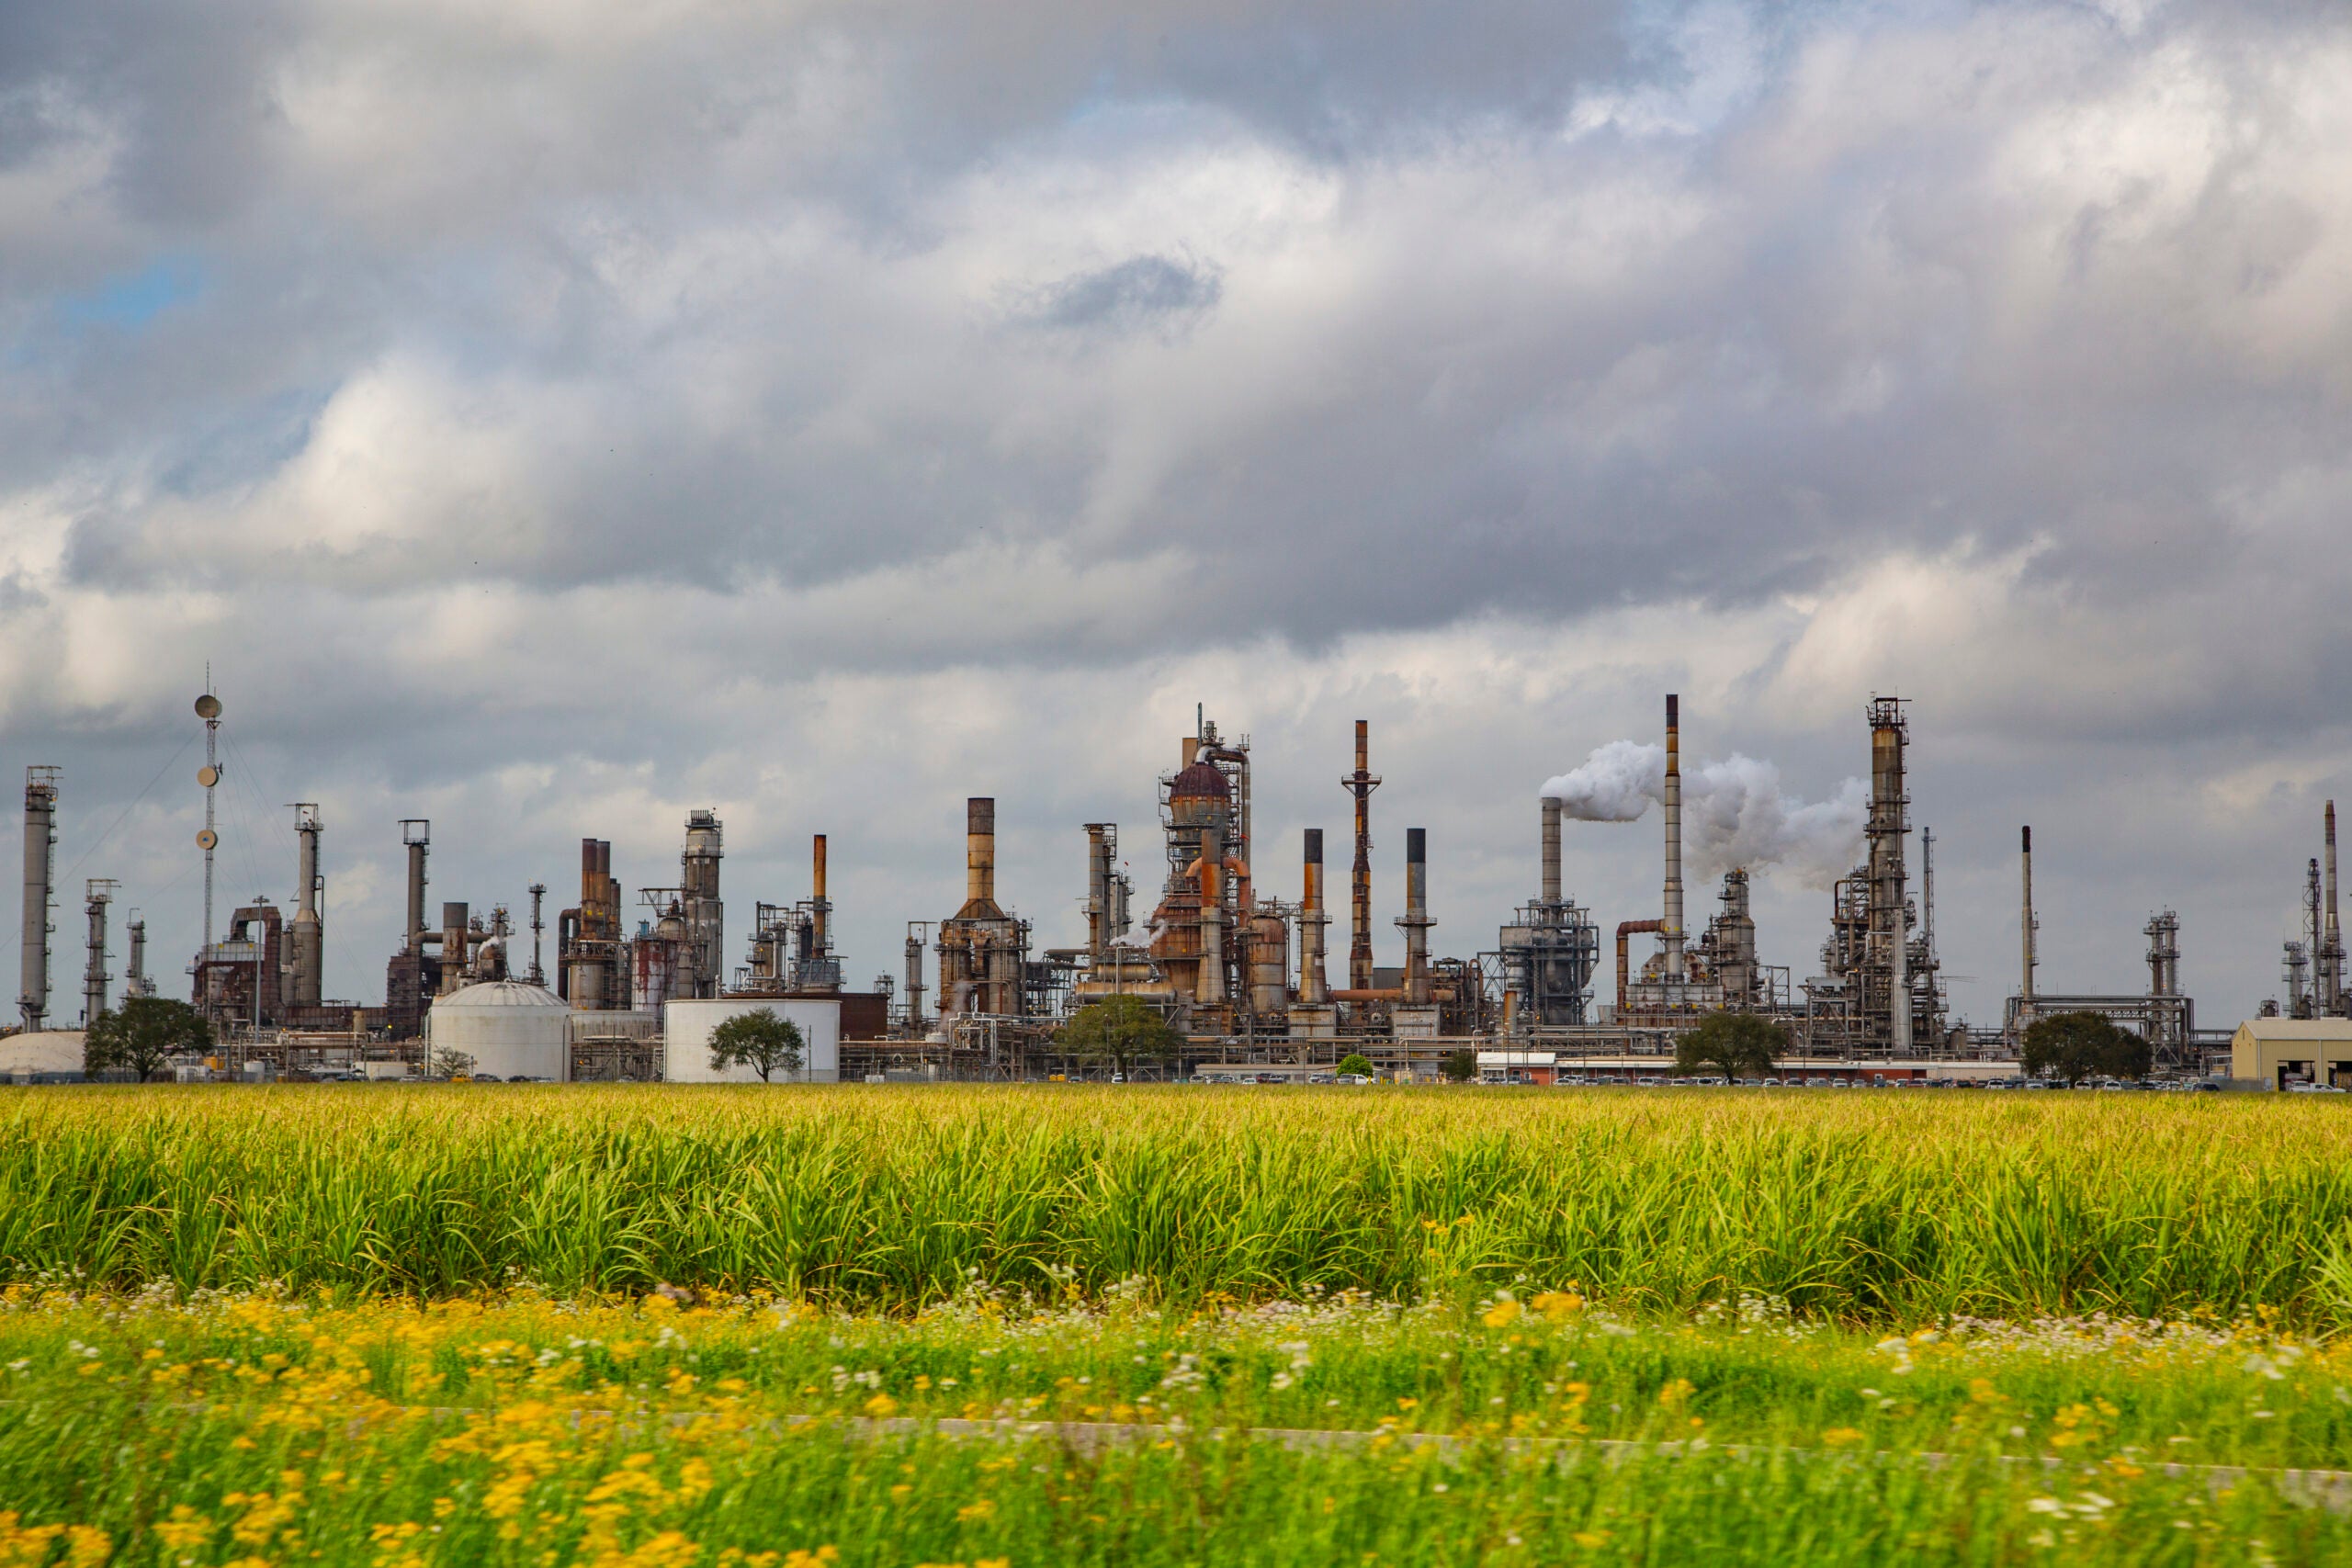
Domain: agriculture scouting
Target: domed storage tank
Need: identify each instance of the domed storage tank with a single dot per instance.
(512, 1029)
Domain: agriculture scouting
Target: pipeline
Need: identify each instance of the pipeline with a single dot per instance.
(1624, 960)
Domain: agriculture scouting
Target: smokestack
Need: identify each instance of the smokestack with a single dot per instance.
(2332, 943)
(417, 834)
(2024, 986)
(100, 893)
(1314, 986)
(979, 850)
(40, 838)
(1670, 939)
(1361, 783)
(309, 933)
(1550, 852)
(823, 905)
(1416, 923)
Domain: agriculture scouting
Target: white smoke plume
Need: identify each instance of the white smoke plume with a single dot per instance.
(1734, 812)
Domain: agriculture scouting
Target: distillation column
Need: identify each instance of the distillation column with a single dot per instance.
(100, 892)
(309, 934)
(2024, 927)
(134, 976)
(453, 947)
(1361, 783)
(706, 915)
(1890, 923)
(2331, 945)
(40, 838)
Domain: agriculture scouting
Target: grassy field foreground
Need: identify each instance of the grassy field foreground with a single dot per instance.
(752, 1434)
(1885, 1208)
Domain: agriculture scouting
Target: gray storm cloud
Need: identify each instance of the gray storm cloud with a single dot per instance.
(550, 418)
(1734, 812)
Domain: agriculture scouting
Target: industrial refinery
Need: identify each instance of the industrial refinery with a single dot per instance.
(1235, 956)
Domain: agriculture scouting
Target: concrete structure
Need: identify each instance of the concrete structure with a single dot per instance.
(510, 1028)
(687, 1025)
(983, 951)
(2278, 1052)
(51, 1054)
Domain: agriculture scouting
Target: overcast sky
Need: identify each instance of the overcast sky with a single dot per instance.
(549, 418)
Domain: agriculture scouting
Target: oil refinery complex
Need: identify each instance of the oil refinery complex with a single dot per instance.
(1242, 974)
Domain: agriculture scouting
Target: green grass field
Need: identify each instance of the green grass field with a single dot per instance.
(396, 1327)
(1884, 1209)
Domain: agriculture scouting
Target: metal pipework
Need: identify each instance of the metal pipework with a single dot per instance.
(1551, 851)
(309, 947)
(1314, 986)
(979, 850)
(416, 832)
(99, 894)
(40, 838)
(1624, 959)
(1670, 927)
(1361, 783)
(1416, 923)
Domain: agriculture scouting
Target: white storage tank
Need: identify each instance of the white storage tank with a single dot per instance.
(686, 1028)
(512, 1029)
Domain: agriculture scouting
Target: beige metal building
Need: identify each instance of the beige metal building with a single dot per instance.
(2278, 1051)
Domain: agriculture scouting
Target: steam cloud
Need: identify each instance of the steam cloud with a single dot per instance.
(1734, 812)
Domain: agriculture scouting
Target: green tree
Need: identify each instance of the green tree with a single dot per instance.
(1119, 1033)
(760, 1040)
(1355, 1064)
(1459, 1066)
(143, 1035)
(1737, 1044)
(448, 1062)
(2075, 1046)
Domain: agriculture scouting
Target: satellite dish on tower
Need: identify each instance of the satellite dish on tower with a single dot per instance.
(208, 775)
(207, 706)
(206, 838)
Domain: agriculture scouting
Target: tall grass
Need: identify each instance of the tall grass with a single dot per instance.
(1868, 1207)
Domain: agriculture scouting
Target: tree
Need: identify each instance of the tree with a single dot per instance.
(143, 1035)
(2076, 1044)
(760, 1040)
(1118, 1032)
(1738, 1045)
(1355, 1064)
(1459, 1066)
(448, 1062)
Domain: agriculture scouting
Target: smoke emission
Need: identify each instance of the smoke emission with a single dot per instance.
(1734, 812)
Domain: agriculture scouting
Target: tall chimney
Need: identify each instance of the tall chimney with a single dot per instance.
(1314, 986)
(1670, 937)
(309, 945)
(1550, 852)
(824, 906)
(979, 850)
(40, 838)
(1416, 921)
(2025, 919)
(1361, 783)
(2332, 943)
(416, 832)
(1098, 891)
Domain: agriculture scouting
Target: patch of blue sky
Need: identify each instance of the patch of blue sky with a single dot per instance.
(131, 301)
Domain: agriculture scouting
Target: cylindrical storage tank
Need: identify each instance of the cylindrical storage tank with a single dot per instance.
(512, 1029)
